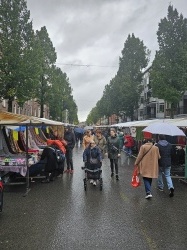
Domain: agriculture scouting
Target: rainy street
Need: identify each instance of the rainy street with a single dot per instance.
(61, 215)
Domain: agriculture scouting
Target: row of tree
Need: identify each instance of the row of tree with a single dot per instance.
(27, 64)
(168, 73)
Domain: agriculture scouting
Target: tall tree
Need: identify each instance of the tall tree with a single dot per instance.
(48, 59)
(135, 58)
(19, 60)
(60, 97)
(169, 69)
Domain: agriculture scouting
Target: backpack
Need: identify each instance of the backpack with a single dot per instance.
(59, 156)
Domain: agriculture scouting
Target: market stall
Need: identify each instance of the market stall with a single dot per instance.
(21, 140)
(178, 142)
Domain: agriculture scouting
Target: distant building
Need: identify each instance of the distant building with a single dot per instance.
(149, 107)
(30, 108)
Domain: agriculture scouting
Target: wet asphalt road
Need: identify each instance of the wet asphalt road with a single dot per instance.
(61, 215)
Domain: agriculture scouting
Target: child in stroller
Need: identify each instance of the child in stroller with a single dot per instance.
(92, 158)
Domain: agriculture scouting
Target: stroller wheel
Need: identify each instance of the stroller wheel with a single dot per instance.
(85, 185)
(101, 184)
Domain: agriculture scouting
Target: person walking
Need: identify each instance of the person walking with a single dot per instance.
(100, 141)
(113, 151)
(69, 137)
(121, 138)
(147, 162)
(128, 144)
(87, 139)
(165, 149)
(93, 159)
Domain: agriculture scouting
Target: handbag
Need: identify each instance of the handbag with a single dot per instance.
(135, 178)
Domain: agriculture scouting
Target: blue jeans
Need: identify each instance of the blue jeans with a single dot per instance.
(165, 171)
(147, 184)
(128, 151)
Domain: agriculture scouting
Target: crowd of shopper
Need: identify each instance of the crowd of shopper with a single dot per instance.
(153, 160)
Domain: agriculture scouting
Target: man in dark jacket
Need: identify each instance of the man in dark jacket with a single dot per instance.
(113, 150)
(165, 149)
(69, 137)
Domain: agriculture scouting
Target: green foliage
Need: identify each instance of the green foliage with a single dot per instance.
(135, 58)
(27, 68)
(47, 61)
(122, 93)
(19, 60)
(169, 69)
(60, 97)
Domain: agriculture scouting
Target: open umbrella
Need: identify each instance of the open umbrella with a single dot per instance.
(164, 129)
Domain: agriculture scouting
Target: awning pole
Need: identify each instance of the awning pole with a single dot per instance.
(27, 163)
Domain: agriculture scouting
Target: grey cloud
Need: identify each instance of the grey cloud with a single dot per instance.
(94, 32)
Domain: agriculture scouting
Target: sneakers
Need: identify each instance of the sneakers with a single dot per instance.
(112, 174)
(67, 171)
(71, 171)
(148, 196)
(93, 182)
(117, 178)
(160, 189)
(171, 193)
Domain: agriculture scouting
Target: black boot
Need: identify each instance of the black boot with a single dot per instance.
(117, 177)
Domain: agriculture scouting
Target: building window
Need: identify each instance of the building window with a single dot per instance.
(161, 108)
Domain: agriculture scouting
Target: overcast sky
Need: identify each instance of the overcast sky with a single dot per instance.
(93, 32)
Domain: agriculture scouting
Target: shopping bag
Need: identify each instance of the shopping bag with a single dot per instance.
(135, 178)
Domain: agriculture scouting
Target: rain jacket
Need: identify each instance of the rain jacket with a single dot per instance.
(92, 152)
(148, 165)
(113, 141)
(165, 149)
(128, 141)
(57, 143)
(87, 140)
(69, 137)
(101, 143)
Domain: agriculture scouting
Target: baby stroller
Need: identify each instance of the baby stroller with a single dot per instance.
(93, 172)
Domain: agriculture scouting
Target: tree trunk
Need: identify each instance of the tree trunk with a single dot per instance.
(108, 118)
(41, 110)
(173, 107)
(9, 105)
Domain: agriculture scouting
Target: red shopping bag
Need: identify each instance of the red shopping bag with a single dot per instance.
(135, 178)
